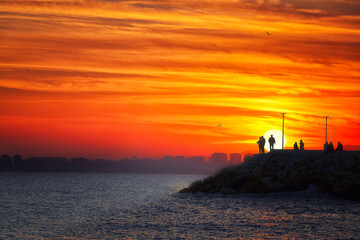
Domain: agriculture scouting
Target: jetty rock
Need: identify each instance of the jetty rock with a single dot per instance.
(336, 173)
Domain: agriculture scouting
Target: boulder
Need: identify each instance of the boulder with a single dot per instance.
(349, 163)
(282, 171)
(281, 175)
(257, 172)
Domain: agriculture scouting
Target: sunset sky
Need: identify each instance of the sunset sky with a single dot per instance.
(117, 78)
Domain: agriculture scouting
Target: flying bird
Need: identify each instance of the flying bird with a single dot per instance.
(219, 125)
(268, 33)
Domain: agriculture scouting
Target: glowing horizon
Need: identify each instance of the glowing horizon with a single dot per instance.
(151, 78)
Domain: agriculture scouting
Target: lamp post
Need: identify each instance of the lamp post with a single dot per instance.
(326, 117)
(283, 130)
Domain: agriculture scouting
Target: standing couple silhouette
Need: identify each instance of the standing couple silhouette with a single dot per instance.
(262, 141)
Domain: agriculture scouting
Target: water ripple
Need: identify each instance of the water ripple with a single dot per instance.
(114, 206)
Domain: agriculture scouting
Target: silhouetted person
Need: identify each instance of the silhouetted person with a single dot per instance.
(326, 146)
(302, 145)
(330, 147)
(339, 147)
(296, 146)
(272, 142)
(259, 143)
(263, 141)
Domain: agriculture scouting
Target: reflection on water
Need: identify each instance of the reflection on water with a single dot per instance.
(113, 206)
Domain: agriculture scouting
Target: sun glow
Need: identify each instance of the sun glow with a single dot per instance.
(277, 134)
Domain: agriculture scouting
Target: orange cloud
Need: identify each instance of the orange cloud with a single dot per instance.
(151, 78)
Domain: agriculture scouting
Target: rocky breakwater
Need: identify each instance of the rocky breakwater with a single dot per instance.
(337, 173)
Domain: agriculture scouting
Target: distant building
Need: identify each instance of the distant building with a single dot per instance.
(5, 162)
(196, 162)
(168, 158)
(235, 158)
(218, 157)
(179, 158)
(17, 157)
(197, 159)
(218, 160)
(17, 162)
(6, 157)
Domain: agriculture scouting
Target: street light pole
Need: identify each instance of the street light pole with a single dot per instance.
(283, 130)
(326, 117)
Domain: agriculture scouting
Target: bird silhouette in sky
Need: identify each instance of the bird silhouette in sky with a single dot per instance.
(268, 33)
(219, 125)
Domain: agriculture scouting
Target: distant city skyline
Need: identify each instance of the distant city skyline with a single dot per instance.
(166, 164)
(207, 157)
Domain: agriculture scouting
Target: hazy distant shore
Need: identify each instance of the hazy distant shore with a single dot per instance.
(165, 165)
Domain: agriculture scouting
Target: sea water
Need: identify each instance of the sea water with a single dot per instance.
(147, 206)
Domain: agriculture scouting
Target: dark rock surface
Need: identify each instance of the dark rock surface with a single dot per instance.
(337, 173)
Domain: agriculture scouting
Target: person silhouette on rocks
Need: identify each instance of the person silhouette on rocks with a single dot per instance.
(339, 147)
(331, 147)
(259, 142)
(296, 147)
(326, 146)
(263, 141)
(272, 142)
(302, 145)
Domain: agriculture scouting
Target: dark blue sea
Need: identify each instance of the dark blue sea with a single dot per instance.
(147, 206)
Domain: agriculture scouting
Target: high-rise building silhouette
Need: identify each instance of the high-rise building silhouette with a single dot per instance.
(17, 162)
(6, 162)
(235, 158)
(218, 160)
